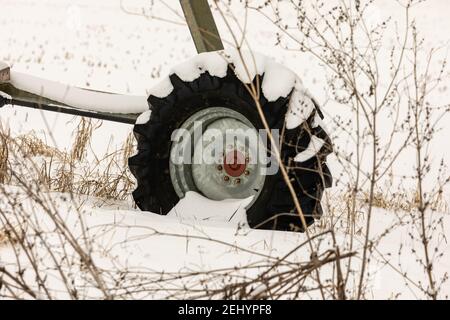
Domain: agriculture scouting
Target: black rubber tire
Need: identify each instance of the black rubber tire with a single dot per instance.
(274, 208)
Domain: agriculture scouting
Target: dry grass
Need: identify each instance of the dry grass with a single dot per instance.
(82, 139)
(4, 153)
(31, 146)
(12, 233)
(405, 201)
(106, 176)
(8, 237)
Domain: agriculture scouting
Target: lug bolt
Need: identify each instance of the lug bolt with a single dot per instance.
(237, 181)
(226, 178)
(247, 173)
(219, 167)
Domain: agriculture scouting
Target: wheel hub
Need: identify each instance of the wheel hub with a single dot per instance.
(235, 163)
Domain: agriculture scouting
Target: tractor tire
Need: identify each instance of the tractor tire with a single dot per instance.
(273, 207)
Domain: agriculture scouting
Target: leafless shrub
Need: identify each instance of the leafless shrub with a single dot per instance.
(388, 113)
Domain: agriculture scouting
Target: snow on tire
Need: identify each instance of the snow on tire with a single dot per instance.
(272, 208)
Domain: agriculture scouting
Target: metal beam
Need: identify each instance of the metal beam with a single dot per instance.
(29, 100)
(202, 25)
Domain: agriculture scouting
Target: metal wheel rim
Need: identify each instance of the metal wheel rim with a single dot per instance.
(208, 178)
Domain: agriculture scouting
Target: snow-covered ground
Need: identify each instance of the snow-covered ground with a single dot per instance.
(96, 45)
(208, 239)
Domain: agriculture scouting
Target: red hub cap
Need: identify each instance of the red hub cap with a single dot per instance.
(234, 163)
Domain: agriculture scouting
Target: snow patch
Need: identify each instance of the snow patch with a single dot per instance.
(300, 107)
(278, 81)
(247, 64)
(144, 117)
(77, 97)
(196, 207)
(213, 62)
(162, 89)
(314, 146)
